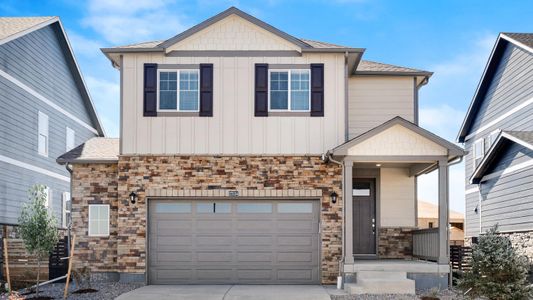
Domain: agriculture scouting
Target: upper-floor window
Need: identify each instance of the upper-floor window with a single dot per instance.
(478, 151)
(178, 90)
(289, 90)
(492, 138)
(69, 139)
(43, 134)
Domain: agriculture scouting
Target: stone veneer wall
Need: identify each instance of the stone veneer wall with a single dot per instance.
(94, 184)
(395, 242)
(170, 174)
(522, 241)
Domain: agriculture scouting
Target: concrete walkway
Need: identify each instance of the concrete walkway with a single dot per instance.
(230, 292)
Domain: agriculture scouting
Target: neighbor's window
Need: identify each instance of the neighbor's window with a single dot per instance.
(492, 138)
(289, 90)
(43, 134)
(65, 212)
(178, 90)
(98, 220)
(479, 151)
(48, 196)
(70, 139)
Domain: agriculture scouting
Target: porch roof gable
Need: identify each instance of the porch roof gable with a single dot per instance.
(406, 133)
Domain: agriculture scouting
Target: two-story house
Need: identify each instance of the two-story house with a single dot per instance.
(250, 156)
(45, 110)
(498, 134)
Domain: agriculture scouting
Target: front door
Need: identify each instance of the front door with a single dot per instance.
(364, 216)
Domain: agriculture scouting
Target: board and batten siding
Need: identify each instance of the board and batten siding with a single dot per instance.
(233, 129)
(373, 100)
(38, 61)
(511, 85)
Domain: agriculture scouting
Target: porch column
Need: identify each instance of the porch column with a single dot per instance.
(443, 213)
(348, 211)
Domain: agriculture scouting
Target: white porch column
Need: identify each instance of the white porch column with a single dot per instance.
(443, 213)
(348, 211)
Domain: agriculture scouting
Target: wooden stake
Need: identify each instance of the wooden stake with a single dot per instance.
(6, 262)
(71, 256)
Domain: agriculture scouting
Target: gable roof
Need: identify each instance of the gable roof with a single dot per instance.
(524, 138)
(305, 45)
(15, 27)
(522, 40)
(95, 150)
(453, 149)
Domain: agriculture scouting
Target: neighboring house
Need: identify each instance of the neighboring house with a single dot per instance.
(239, 145)
(45, 111)
(428, 217)
(498, 134)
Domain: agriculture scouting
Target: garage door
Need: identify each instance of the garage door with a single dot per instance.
(233, 241)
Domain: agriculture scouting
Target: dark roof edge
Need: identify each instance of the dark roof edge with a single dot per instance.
(485, 163)
(85, 161)
(394, 73)
(224, 14)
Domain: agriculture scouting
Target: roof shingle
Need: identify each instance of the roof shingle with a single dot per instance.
(523, 38)
(366, 66)
(13, 25)
(96, 149)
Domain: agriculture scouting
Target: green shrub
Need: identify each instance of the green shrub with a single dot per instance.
(498, 271)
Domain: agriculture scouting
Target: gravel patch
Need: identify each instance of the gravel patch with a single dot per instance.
(106, 290)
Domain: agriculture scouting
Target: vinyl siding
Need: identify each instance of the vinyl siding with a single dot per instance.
(38, 60)
(233, 129)
(511, 85)
(373, 100)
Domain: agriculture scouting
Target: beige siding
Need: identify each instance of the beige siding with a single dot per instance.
(397, 140)
(397, 203)
(233, 129)
(374, 100)
(234, 33)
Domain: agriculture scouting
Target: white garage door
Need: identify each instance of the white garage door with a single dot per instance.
(233, 241)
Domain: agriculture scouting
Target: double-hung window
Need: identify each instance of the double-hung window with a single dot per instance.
(42, 141)
(98, 220)
(492, 138)
(289, 90)
(479, 151)
(69, 139)
(178, 90)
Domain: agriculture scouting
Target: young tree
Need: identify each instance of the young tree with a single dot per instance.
(498, 271)
(38, 227)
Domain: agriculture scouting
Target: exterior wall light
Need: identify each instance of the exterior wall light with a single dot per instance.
(333, 196)
(133, 197)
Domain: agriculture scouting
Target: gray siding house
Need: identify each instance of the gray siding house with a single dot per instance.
(498, 133)
(45, 110)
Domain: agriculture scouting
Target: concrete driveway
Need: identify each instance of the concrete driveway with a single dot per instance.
(230, 292)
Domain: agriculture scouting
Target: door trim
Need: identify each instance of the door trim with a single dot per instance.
(371, 173)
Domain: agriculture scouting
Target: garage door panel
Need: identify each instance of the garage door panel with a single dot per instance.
(258, 245)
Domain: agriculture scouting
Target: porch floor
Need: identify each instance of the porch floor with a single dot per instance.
(396, 265)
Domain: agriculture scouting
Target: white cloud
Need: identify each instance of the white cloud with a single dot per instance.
(123, 21)
(428, 187)
(83, 46)
(106, 95)
(442, 120)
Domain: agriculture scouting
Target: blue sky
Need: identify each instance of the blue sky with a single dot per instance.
(451, 38)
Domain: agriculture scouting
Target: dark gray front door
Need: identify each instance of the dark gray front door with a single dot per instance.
(229, 241)
(364, 216)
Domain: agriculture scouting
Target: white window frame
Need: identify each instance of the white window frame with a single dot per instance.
(48, 198)
(480, 141)
(70, 138)
(43, 130)
(289, 71)
(89, 220)
(65, 212)
(491, 138)
(178, 89)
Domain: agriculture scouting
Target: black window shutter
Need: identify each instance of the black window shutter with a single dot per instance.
(206, 90)
(150, 90)
(261, 90)
(317, 90)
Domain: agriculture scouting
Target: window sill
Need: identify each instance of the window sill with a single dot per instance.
(178, 114)
(289, 114)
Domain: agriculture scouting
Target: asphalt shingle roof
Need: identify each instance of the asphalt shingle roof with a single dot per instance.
(13, 25)
(524, 38)
(526, 136)
(96, 149)
(372, 66)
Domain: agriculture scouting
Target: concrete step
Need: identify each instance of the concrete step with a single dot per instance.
(374, 282)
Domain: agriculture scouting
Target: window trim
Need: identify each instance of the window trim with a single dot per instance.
(178, 89)
(48, 193)
(44, 151)
(492, 138)
(289, 72)
(474, 148)
(65, 211)
(89, 221)
(67, 131)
